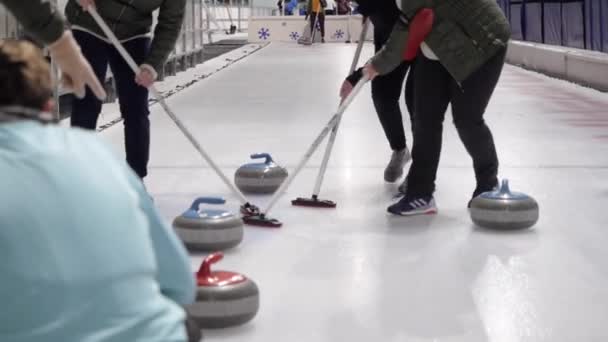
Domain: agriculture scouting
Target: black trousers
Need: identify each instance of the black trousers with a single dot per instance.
(321, 21)
(434, 90)
(133, 98)
(386, 92)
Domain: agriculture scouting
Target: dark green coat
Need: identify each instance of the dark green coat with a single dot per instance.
(39, 18)
(133, 18)
(465, 34)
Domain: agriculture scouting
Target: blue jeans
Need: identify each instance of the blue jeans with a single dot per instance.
(132, 97)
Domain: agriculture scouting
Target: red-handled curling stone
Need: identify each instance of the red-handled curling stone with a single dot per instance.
(223, 298)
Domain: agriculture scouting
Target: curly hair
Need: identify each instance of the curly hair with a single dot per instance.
(25, 75)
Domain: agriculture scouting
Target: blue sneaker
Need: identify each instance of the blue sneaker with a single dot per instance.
(414, 206)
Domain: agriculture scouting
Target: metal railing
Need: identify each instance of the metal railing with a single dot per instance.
(203, 19)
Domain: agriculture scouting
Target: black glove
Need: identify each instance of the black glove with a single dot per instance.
(355, 77)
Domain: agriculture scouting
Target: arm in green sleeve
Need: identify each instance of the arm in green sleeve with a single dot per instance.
(40, 18)
(170, 19)
(391, 55)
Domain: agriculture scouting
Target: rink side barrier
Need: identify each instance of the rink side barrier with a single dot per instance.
(584, 67)
(338, 28)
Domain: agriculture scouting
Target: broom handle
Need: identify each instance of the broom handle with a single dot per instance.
(334, 131)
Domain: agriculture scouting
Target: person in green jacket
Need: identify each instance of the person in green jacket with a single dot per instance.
(460, 64)
(41, 20)
(131, 21)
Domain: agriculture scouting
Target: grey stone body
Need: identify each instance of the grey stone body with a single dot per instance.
(225, 306)
(210, 233)
(260, 180)
(504, 213)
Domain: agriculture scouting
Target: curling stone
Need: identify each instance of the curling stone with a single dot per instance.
(208, 229)
(223, 299)
(503, 209)
(260, 178)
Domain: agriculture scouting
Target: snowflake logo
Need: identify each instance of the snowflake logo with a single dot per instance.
(294, 35)
(339, 34)
(264, 33)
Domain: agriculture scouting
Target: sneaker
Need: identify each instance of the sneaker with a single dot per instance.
(394, 169)
(414, 206)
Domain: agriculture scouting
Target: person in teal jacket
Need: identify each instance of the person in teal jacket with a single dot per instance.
(85, 255)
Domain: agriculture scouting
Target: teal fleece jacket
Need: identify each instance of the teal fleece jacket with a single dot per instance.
(85, 255)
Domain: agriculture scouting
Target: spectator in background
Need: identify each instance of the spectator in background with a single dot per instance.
(343, 7)
(330, 9)
(280, 6)
(291, 7)
(316, 13)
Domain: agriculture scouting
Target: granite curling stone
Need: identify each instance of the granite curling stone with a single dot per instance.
(223, 299)
(503, 209)
(260, 178)
(208, 229)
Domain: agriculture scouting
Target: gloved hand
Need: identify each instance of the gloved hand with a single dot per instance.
(147, 75)
(76, 71)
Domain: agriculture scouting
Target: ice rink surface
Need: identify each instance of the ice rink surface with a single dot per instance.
(357, 274)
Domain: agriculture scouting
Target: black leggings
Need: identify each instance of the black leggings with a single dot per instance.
(313, 19)
(386, 92)
(434, 90)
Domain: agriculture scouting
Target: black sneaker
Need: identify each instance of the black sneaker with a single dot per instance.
(414, 206)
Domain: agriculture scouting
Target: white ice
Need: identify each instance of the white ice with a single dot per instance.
(357, 274)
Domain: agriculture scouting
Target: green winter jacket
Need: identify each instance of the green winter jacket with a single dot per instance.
(465, 34)
(39, 18)
(133, 18)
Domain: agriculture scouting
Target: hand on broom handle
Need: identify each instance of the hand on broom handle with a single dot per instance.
(136, 69)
